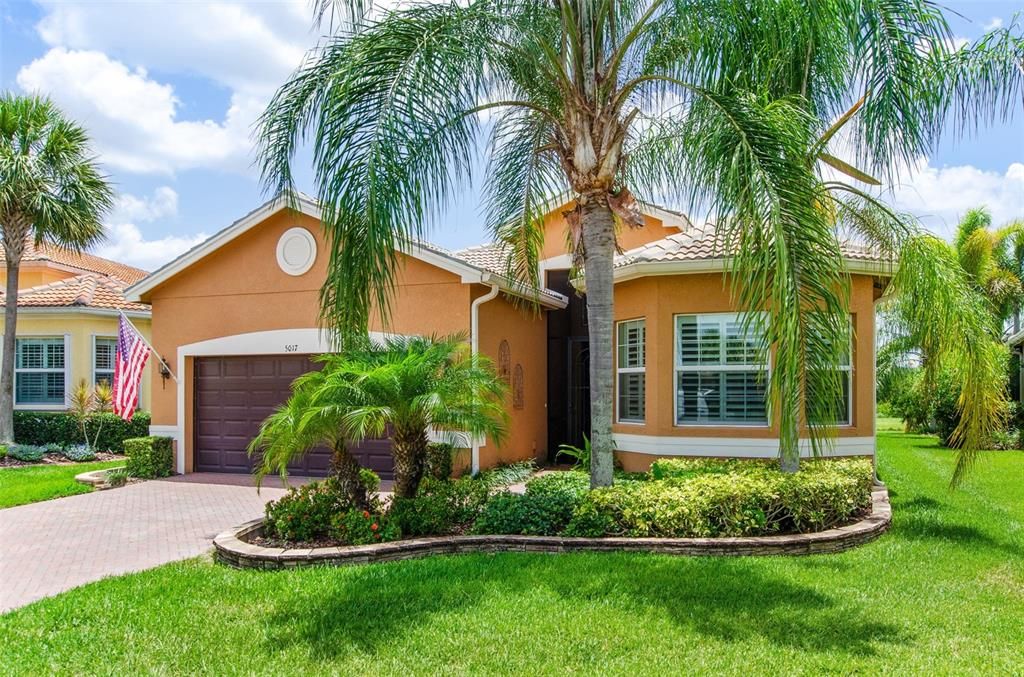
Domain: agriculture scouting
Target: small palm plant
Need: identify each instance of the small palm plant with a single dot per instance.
(405, 389)
(85, 404)
(580, 455)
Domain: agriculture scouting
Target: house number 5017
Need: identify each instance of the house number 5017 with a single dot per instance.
(291, 347)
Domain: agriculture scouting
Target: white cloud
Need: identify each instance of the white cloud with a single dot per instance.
(939, 196)
(134, 119)
(164, 202)
(994, 23)
(244, 46)
(125, 241)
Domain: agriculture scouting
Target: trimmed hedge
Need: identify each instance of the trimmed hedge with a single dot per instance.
(750, 499)
(61, 428)
(149, 457)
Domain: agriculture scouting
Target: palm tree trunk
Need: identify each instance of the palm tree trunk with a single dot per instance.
(409, 448)
(13, 253)
(598, 227)
(345, 471)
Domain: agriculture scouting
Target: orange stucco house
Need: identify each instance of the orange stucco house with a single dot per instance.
(237, 318)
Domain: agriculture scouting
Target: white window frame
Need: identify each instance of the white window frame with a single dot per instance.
(848, 369)
(619, 370)
(93, 361)
(67, 373)
(678, 368)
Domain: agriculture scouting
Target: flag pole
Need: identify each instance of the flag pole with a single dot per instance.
(150, 345)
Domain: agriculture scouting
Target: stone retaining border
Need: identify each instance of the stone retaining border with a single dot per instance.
(96, 478)
(232, 549)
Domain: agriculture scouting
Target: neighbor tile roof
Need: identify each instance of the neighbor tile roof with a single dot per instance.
(88, 290)
(81, 261)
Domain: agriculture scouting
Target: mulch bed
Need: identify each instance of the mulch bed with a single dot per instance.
(58, 459)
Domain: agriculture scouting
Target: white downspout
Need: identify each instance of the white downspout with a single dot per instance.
(474, 346)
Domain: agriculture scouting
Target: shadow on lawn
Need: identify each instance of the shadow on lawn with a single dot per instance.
(730, 600)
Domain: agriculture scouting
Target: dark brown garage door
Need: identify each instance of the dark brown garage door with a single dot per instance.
(233, 395)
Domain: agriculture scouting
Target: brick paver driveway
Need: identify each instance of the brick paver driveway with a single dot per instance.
(49, 547)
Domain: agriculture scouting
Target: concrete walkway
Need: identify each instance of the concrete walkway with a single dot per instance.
(52, 546)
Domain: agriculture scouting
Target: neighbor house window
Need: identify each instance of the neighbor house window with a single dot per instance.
(39, 371)
(721, 369)
(104, 352)
(632, 337)
(844, 407)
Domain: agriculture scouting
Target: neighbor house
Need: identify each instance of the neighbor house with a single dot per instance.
(68, 311)
(237, 316)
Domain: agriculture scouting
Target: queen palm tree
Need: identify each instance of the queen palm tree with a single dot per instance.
(409, 387)
(728, 106)
(51, 190)
(994, 261)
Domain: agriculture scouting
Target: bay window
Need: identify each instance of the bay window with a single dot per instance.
(721, 367)
(631, 364)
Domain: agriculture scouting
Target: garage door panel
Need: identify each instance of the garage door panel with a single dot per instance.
(233, 395)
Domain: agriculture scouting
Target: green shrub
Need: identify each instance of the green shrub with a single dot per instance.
(149, 457)
(43, 427)
(572, 483)
(78, 453)
(305, 513)
(117, 477)
(506, 474)
(370, 480)
(3, 451)
(681, 468)
(439, 461)
(755, 499)
(440, 507)
(543, 513)
(361, 527)
(29, 453)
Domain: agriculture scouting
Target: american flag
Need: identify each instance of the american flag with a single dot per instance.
(132, 353)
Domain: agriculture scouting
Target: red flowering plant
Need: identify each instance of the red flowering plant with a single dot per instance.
(360, 527)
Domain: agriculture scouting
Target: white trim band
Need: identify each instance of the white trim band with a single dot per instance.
(737, 447)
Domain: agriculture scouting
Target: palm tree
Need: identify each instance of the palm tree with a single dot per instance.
(305, 421)
(725, 105)
(405, 387)
(994, 261)
(51, 190)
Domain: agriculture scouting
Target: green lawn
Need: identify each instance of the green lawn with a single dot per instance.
(942, 593)
(29, 484)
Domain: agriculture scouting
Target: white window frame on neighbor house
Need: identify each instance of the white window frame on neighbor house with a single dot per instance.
(40, 406)
(764, 368)
(621, 370)
(96, 338)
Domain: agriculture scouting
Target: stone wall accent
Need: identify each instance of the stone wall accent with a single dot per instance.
(96, 478)
(233, 549)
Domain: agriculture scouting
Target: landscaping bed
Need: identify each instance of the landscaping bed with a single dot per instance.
(57, 458)
(686, 506)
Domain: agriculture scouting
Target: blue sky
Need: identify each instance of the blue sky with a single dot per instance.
(169, 92)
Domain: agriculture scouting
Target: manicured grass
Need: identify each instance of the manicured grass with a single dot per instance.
(942, 593)
(29, 484)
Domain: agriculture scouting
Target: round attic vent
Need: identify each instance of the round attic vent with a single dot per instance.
(296, 251)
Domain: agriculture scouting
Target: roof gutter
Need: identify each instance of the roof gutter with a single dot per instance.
(474, 346)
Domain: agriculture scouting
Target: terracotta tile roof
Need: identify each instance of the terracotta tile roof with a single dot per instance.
(697, 245)
(89, 290)
(490, 256)
(82, 261)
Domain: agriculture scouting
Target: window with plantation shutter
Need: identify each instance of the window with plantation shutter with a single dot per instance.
(631, 338)
(103, 357)
(39, 371)
(842, 411)
(721, 368)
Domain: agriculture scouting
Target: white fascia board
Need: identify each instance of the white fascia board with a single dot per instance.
(63, 310)
(651, 268)
(668, 219)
